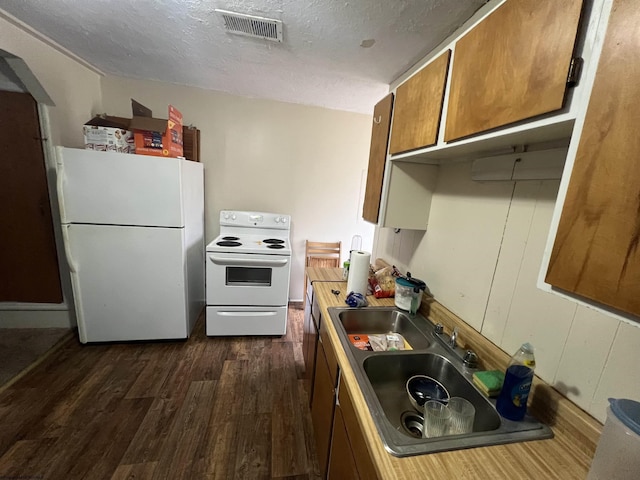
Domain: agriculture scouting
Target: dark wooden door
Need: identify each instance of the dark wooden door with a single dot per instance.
(596, 253)
(28, 259)
(513, 65)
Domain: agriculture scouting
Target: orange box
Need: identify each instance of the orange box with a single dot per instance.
(361, 342)
(156, 136)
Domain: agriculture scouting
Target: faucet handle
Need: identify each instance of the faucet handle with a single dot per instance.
(470, 359)
(439, 328)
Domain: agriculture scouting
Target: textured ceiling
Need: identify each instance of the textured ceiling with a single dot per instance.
(319, 63)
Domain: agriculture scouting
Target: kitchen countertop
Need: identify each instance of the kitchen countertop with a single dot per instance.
(318, 274)
(567, 456)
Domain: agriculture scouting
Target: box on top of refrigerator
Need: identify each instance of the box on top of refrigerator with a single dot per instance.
(108, 134)
(156, 136)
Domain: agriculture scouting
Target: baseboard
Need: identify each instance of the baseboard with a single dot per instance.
(35, 319)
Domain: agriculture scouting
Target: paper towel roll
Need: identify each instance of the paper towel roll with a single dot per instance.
(358, 272)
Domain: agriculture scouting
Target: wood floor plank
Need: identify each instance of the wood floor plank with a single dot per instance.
(24, 459)
(179, 454)
(171, 392)
(102, 454)
(313, 467)
(287, 436)
(213, 355)
(204, 408)
(220, 449)
(140, 471)
(152, 377)
(253, 456)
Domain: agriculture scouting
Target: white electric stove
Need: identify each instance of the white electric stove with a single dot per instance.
(247, 269)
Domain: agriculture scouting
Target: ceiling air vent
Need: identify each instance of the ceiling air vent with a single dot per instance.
(251, 26)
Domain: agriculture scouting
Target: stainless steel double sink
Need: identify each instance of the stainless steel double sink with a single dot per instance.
(382, 377)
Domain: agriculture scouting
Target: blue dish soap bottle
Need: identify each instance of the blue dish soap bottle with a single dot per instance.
(512, 401)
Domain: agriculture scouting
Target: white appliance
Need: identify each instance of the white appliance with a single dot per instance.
(134, 241)
(248, 269)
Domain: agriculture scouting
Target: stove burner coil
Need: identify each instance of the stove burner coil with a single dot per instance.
(228, 243)
(235, 239)
(273, 241)
(275, 246)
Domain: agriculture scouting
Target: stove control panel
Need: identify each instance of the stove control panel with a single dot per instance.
(254, 219)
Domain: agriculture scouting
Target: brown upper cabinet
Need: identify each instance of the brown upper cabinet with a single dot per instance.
(512, 66)
(377, 158)
(596, 253)
(418, 107)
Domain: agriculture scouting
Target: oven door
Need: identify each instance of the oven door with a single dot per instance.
(247, 279)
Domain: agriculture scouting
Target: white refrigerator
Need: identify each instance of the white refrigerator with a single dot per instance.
(133, 229)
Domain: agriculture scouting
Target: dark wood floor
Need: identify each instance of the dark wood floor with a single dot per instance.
(205, 408)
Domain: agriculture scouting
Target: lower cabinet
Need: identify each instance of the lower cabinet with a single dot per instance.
(342, 465)
(309, 343)
(355, 448)
(340, 444)
(322, 408)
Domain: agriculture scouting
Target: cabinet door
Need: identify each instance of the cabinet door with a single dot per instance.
(596, 253)
(357, 445)
(409, 194)
(377, 158)
(309, 348)
(329, 352)
(418, 107)
(322, 407)
(342, 465)
(513, 65)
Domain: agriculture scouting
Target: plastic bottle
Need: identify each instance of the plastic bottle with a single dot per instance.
(512, 401)
(345, 270)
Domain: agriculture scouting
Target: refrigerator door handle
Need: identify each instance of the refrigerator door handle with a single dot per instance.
(67, 249)
(75, 285)
(60, 184)
(247, 262)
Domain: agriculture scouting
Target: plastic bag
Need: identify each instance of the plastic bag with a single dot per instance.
(383, 282)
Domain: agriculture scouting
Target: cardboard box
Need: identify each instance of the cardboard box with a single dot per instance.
(156, 136)
(106, 133)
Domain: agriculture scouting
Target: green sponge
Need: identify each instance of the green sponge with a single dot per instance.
(489, 382)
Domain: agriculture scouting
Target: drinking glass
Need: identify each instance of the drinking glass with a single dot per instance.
(436, 419)
(462, 415)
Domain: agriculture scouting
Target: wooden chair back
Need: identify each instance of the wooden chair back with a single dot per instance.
(320, 254)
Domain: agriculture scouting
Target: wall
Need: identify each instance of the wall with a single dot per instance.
(269, 156)
(75, 89)
(481, 256)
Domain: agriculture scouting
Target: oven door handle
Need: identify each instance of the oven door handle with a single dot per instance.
(223, 313)
(248, 262)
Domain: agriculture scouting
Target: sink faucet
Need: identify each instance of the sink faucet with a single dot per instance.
(468, 357)
(453, 337)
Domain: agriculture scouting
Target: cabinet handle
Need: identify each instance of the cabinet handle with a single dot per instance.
(377, 119)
